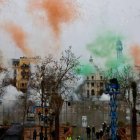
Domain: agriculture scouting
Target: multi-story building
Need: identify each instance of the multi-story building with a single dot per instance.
(94, 83)
(22, 71)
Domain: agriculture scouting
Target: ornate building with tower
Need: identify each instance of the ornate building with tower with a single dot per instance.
(119, 49)
(94, 83)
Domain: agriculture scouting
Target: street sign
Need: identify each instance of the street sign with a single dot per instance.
(84, 121)
(112, 89)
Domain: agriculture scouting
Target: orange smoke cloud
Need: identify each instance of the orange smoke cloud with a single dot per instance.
(57, 12)
(19, 37)
(3, 1)
(135, 52)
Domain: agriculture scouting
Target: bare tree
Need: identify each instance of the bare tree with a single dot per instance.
(55, 79)
(5, 80)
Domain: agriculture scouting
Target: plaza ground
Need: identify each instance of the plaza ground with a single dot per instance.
(76, 132)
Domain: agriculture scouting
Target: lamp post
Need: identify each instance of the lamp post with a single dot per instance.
(134, 117)
(113, 89)
(43, 102)
(44, 106)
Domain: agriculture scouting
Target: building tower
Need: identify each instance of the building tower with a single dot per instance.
(119, 49)
(92, 63)
(94, 82)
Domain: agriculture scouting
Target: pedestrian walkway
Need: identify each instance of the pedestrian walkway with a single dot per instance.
(28, 133)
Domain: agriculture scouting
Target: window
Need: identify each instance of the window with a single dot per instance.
(101, 84)
(92, 77)
(23, 77)
(87, 93)
(87, 84)
(101, 77)
(92, 92)
(87, 78)
(92, 84)
(25, 84)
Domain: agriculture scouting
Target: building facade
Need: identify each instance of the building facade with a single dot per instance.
(22, 70)
(94, 83)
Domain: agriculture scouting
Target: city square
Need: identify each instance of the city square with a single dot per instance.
(69, 70)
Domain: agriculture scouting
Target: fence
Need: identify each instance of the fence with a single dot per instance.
(97, 112)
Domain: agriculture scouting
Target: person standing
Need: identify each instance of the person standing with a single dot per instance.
(93, 131)
(41, 135)
(97, 135)
(34, 134)
(104, 126)
(39, 116)
(53, 134)
(88, 130)
(78, 138)
(69, 138)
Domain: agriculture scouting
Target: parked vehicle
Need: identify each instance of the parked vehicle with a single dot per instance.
(15, 132)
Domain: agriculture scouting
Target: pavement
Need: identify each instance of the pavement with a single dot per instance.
(128, 133)
(28, 133)
(76, 131)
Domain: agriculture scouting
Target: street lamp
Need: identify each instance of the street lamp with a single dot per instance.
(134, 117)
(44, 105)
(43, 101)
(112, 88)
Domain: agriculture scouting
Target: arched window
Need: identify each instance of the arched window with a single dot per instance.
(92, 92)
(92, 77)
(101, 84)
(87, 93)
(92, 84)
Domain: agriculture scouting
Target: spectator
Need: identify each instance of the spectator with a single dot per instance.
(65, 129)
(39, 116)
(104, 126)
(53, 135)
(41, 135)
(79, 138)
(118, 137)
(34, 134)
(93, 131)
(108, 129)
(101, 133)
(97, 135)
(69, 137)
(88, 130)
(68, 132)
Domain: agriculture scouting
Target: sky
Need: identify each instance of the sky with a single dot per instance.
(40, 27)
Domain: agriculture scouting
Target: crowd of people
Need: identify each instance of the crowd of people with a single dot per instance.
(91, 133)
(41, 137)
(102, 134)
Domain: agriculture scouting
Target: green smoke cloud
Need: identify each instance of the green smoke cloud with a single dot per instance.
(85, 69)
(104, 45)
(119, 64)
